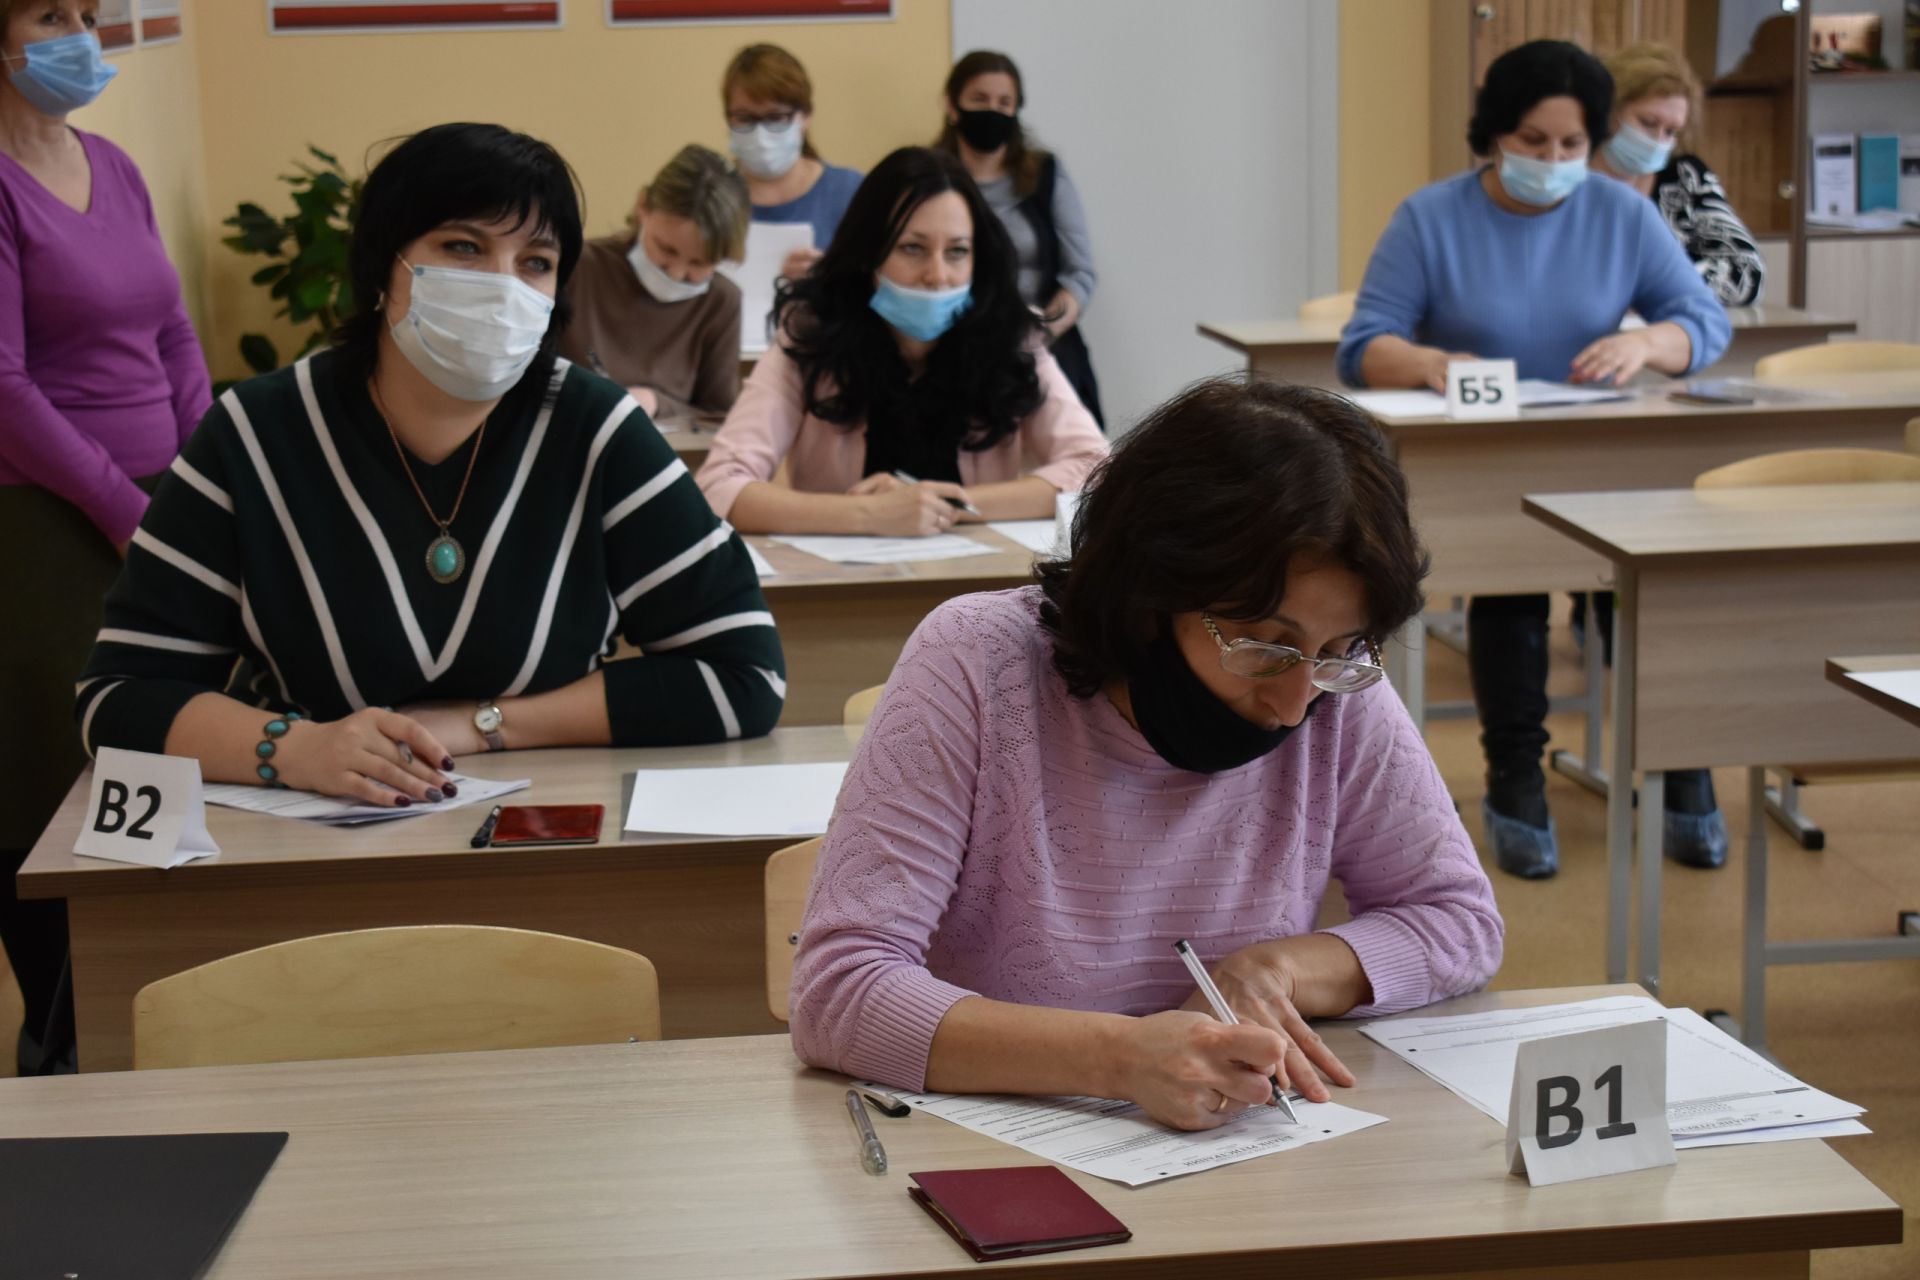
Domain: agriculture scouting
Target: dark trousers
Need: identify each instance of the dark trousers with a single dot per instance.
(1076, 362)
(1507, 660)
(35, 938)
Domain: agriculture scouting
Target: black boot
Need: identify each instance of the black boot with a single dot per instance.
(1507, 659)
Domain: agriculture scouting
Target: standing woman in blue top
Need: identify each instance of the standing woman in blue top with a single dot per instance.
(769, 104)
(1028, 188)
(1523, 259)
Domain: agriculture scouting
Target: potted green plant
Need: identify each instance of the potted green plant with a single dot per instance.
(308, 274)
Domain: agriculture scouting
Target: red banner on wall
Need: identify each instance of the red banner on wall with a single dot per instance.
(637, 11)
(330, 15)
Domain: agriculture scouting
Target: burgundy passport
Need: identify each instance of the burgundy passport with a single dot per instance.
(1015, 1213)
(547, 824)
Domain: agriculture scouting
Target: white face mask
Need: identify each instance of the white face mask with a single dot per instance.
(471, 333)
(764, 153)
(657, 282)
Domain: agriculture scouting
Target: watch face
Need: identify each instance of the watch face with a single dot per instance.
(487, 719)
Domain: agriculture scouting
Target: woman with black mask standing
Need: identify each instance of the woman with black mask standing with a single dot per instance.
(1030, 191)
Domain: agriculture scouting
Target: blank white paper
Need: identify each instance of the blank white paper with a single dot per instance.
(745, 800)
(855, 550)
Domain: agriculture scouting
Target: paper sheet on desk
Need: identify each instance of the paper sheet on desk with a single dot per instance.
(852, 550)
(1042, 537)
(334, 812)
(1715, 1084)
(745, 800)
(761, 565)
(1115, 1140)
(768, 244)
(1534, 393)
(1904, 685)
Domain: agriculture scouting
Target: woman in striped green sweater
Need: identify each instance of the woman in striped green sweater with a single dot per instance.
(426, 539)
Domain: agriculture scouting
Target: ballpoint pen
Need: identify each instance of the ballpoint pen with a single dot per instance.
(958, 504)
(484, 836)
(873, 1156)
(1225, 1014)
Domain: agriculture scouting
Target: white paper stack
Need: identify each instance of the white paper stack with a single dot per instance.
(335, 812)
(854, 550)
(744, 800)
(1719, 1092)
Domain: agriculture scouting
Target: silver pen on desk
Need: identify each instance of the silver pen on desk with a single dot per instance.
(958, 504)
(873, 1156)
(1225, 1014)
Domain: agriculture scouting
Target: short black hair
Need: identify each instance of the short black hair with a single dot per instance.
(1204, 504)
(980, 381)
(1526, 75)
(481, 172)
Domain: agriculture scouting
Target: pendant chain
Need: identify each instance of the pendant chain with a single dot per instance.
(406, 466)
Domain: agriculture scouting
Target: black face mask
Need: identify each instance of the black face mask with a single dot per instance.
(987, 131)
(1184, 722)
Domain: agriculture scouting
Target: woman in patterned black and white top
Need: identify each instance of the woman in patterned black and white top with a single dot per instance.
(1656, 98)
(425, 539)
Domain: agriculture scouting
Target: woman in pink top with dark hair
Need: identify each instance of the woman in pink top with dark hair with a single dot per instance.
(906, 351)
(101, 380)
(1181, 732)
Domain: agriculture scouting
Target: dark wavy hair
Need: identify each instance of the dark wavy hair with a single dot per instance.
(478, 172)
(979, 380)
(1527, 75)
(1204, 504)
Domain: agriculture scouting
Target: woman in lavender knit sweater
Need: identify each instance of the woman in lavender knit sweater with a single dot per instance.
(1062, 780)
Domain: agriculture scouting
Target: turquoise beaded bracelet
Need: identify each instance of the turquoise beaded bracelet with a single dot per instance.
(265, 748)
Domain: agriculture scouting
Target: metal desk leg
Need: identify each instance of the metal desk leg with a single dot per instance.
(1753, 938)
(1585, 769)
(1406, 659)
(1653, 813)
(1620, 798)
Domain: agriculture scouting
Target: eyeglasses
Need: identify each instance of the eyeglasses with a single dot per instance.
(775, 121)
(1257, 660)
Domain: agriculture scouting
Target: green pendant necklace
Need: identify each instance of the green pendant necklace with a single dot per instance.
(446, 559)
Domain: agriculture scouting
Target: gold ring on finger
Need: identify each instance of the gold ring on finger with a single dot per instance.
(1221, 1105)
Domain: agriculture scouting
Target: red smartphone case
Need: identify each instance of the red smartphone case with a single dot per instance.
(548, 824)
(1015, 1213)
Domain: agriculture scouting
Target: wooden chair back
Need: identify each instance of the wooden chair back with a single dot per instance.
(376, 993)
(1813, 466)
(789, 872)
(859, 708)
(1839, 357)
(1328, 306)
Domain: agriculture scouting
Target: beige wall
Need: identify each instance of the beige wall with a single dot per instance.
(617, 103)
(152, 111)
(1384, 68)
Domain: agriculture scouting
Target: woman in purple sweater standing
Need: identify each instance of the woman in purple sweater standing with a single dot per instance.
(101, 380)
(1181, 732)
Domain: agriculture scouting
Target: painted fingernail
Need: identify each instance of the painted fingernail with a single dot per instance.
(446, 762)
(401, 802)
(434, 796)
(451, 789)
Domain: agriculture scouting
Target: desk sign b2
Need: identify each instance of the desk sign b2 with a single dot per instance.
(1589, 1104)
(145, 808)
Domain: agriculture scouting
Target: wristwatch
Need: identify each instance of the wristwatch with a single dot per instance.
(487, 718)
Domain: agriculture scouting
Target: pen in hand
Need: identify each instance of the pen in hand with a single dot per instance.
(484, 836)
(957, 504)
(1225, 1014)
(873, 1156)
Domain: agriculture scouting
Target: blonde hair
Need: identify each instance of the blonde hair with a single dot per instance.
(768, 73)
(699, 184)
(1650, 70)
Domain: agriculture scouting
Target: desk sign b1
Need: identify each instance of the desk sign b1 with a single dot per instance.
(1591, 1103)
(145, 808)
(1482, 390)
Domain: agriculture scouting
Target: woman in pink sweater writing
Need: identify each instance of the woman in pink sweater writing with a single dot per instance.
(1181, 732)
(910, 386)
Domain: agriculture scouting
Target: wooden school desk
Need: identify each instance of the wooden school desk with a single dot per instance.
(725, 1159)
(1729, 602)
(1302, 350)
(842, 626)
(691, 904)
(1466, 479)
(1845, 672)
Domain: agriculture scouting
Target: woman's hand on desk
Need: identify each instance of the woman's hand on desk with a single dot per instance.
(450, 723)
(900, 510)
(1192, 1071)
(360, 757)
(1267, 984)
(1614, 359)
(1435, 370)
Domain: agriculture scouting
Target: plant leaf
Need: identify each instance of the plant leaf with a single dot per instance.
(259, 352)
(268, 274)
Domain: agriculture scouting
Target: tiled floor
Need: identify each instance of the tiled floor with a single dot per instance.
(1853, 1030)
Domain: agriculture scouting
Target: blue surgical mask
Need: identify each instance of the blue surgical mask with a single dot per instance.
(767, 154)
(1633, 152)
(1540, 182)
(924, 314)
(62, 74)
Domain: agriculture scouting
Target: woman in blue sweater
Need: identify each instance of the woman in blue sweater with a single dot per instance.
(1523, 259)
